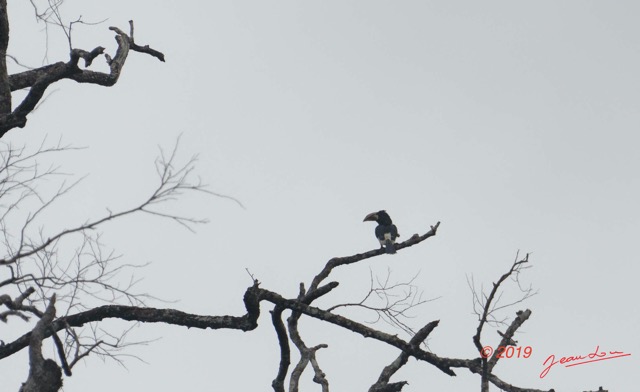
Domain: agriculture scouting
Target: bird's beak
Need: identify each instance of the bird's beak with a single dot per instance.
(371, 217)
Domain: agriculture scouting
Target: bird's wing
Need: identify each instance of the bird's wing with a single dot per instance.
(394, 232)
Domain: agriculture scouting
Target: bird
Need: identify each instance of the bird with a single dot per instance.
(386, 231)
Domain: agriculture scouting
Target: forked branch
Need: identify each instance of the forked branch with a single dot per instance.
(39, 79)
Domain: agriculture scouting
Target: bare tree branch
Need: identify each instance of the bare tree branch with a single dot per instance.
(44, 375)
(507, 338)
(246, 322)
(285, 351)
(61, 354)
(307, 354)
(339, 261)
(39, 79)
(488, 308)
(35, 268)
(383, 385)
(397, 300)
(319, 376)
(5, 85)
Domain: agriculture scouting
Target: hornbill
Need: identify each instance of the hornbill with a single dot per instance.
(386, 231)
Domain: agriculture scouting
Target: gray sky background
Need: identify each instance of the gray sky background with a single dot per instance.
(513, 124)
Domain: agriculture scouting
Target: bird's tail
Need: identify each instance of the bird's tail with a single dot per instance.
(389, 247)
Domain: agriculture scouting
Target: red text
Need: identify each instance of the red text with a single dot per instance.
(594, 356)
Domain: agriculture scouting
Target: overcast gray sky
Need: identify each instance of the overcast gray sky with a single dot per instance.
(514, 124)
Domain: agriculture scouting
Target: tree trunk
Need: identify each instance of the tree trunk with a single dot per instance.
(5, 88)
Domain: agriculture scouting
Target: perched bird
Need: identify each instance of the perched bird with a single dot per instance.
(386, 231)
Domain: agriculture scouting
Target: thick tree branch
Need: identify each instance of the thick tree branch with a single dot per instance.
(383, 385)
(63, 358)
(252, 297)
(307, 355)
(38, 80)
(285, 351)
(5, 85)
(507, 338)
(363, 330)
(504, 386)
(15, 306)
(319, 376)
(44, 375)
(88, 57)
(151, 315)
